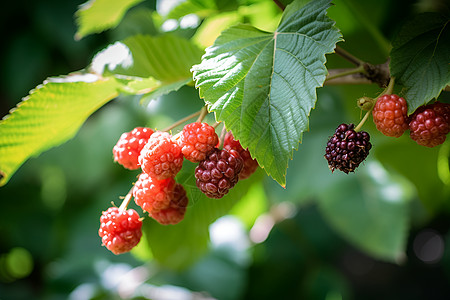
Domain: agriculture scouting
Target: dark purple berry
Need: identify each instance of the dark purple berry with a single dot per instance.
(219, 172)
(346, 149)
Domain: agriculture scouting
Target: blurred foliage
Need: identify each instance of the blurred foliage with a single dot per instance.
(382, 233)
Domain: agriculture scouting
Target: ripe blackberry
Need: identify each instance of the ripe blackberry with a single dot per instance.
(429, 125)
(161, 157)
(152, 194)
(219, 172)
(346, 149)
(390, 115)
(197, 140)
(176, 209)
(250, 164)
(120, 230)
(127, 149)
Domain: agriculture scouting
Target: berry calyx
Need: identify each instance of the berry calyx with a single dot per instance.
(250, 164)
(129, 146)
(429, 125)
(390, 115)
(176, 209)
(152, 194)
(120, 230)
(219, 172)
(346, 149)
(161, 157)
(197, 140)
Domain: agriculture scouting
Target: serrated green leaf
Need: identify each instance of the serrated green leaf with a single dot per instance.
(420, 58)
(96, 16)
(177, 246)
(49, 116)
(149, 65)
(263, 85)
(371, 211)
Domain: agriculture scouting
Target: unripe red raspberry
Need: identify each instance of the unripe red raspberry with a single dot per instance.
(346, 149)
(152, 194)
(197, 140)
(129, 146)
(390, 115)
(120, 230)
(428, 127)
(176, 210)
(250, 164)
(161, 157)
(219, 172)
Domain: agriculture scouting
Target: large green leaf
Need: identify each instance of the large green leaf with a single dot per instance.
(177, 246)
(49, 116)
(263, 85)
(420, 58)
(371, 211)
(149, 65)
(96, 16)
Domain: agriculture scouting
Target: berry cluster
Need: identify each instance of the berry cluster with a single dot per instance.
(346, 149)
(223, 168)
(160, 157)
(428, 125)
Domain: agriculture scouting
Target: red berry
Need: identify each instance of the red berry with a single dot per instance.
(127, 149)
(390, 115)
(219, 172)
(120, 230)
(152, 194)
(161, 157)
(428, 127)
(250, 164)
(346, 149)
(197, 140)
(176, 210)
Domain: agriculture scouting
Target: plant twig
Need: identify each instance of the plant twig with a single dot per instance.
(203, 113)
(179, 122)
(344, 72)
(279, 4)
(350, 57)
(126, 200)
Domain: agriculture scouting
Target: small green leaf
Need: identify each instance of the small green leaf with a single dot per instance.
(96, 16)
(177, 246)
(420, 58)
(263, 85)
(49, 116)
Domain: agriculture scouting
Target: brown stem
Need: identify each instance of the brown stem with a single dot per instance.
(279, 4)
(350, 57)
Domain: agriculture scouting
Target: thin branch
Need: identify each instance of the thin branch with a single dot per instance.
(345, 72)
(179, 122)
(350, 57)
(279, 4)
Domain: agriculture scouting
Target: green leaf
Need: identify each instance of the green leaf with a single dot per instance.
(177, 246)
(149, 65)
(202, 8)
(371, 211)
(432, 190)
(96, 16)
(49, 116)
(263, 85)
(420, 58)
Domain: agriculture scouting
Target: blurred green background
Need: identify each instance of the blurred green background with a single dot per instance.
(317, 239)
